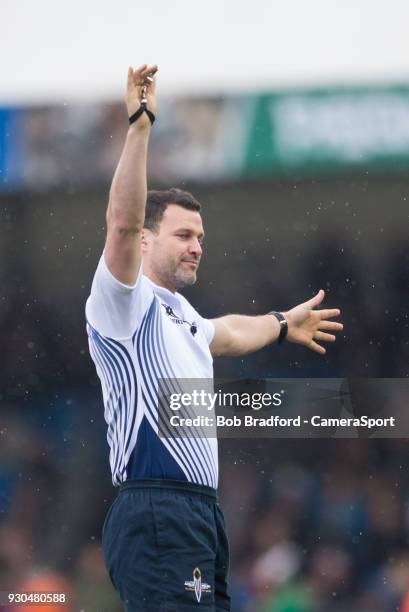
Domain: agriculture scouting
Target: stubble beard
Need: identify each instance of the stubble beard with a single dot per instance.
(184, 279)
(173, 275)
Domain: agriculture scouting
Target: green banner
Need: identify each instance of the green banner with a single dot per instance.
(318, 131)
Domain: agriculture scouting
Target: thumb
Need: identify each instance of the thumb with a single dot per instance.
(317, 299)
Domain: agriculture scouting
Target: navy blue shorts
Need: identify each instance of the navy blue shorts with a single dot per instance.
(166, 547)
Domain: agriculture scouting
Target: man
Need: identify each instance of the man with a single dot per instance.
(164, 537)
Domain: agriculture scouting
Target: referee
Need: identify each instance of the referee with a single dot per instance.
(164, 537)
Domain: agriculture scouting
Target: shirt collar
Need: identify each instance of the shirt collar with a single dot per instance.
(172, 299)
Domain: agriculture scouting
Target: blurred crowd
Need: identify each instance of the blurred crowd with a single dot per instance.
(193, 138)
(314, 525)
(319, 526)
(44, 339)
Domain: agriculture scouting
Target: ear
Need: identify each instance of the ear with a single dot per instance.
(144, 241)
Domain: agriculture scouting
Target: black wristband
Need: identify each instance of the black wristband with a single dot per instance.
(283, 325)
(142, 109)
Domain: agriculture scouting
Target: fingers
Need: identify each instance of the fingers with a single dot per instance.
(317, 299)
(317, 348)
(134, 76)
(319, 335)
(323, 336)
(137, 76)
(330, 325)
(146, 70)
(151, 76)
(130, 77)
(320, 319)
(137, 72)
(329, 313)
(152, 70)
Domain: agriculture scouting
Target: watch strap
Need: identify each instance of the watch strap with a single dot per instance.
(283, 325)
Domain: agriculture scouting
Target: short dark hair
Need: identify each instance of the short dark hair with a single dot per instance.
(158, 201)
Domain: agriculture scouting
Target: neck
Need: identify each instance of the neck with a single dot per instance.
(158, 280)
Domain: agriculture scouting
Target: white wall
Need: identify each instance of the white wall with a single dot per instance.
(60, 50)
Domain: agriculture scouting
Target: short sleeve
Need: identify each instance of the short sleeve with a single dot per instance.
(114, 309)
(208, 329)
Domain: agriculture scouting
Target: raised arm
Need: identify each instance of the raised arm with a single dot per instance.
(127, 198)
(238, 335)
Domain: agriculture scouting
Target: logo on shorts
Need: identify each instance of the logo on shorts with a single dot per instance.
(197, 585)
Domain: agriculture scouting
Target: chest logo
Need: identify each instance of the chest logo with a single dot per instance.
(178, 320)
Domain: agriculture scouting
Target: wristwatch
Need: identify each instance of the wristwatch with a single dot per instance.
(283, 325)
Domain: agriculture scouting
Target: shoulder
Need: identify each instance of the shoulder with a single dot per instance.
(114, 308)
(186, 305)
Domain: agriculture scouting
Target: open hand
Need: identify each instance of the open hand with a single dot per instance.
(306, 326)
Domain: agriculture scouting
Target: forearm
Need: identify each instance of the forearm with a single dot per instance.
(239, 334)
(127, 198)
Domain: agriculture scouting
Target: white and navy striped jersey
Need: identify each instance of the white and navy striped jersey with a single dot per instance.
(137, 335)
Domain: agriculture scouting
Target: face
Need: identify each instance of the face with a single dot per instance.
(172, 256)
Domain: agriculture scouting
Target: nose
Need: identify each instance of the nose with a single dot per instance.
(195, 247)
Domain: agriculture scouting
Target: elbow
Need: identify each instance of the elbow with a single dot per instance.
(232, 346)
(125, 230)
(123, 221)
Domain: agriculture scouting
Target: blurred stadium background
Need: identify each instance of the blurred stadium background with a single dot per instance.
(302, 187)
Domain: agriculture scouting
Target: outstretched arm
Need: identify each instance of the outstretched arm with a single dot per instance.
(238, 335)
(127, 198)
